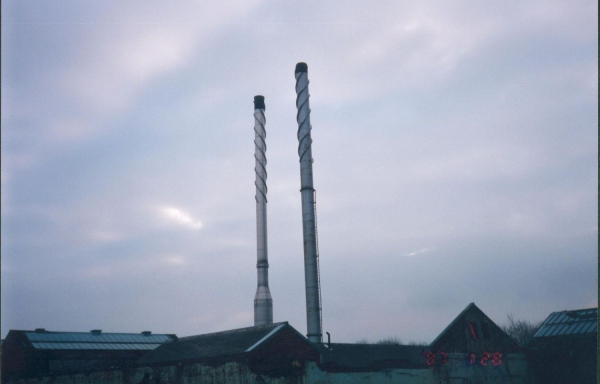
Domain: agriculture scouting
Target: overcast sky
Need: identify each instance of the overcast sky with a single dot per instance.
(455, 161)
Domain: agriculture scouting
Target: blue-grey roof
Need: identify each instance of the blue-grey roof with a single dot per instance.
(566, 323)
(95, 341)
(232, 342)
(89, 346)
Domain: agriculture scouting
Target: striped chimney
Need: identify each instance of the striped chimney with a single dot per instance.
(263, 303)
(311, 266)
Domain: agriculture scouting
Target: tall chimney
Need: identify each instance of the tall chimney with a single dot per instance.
(263, 303)
(311, 266)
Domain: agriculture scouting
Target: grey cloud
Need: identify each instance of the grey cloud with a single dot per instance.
(465, 129)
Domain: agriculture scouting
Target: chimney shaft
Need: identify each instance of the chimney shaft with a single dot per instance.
(311, 267)
(263, 303)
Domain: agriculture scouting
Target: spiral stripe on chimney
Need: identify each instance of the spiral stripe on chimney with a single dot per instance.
(263, 302)
(311, 266)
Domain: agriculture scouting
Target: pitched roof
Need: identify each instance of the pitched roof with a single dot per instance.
(96, 340)
(472, 331)
(225, 343)
(460, 315)
(567, 323)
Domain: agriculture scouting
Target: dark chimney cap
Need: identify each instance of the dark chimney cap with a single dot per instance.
(96, 331)
(146, 333)
(259, 102)
(301, 67)
(40, 330)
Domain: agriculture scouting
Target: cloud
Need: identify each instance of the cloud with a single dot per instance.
(79, 84)
(420, 251)
(69, 130)
(145, 265)
(180, 217)
(104, 236)
(110, 76)
(471, 127)
(175, 260)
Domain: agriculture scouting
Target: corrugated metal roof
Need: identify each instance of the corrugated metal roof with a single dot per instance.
(95, 341)
(96, 346)
(231, 342)
(82, 337)
(582, 321)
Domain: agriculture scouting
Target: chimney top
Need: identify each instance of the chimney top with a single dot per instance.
(96, 331)
(146, 333)
(259, 102)
(301, 67)
(40, 330)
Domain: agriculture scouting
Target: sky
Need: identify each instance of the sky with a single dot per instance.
(454, 145)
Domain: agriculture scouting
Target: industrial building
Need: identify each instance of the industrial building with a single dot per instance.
(272, 353)
(41, 353)
(472, 348)
(564, 348)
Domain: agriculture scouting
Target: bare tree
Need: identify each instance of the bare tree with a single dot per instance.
(418, 343)
(520, 330)
(392, 340)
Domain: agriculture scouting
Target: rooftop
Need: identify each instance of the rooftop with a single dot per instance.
(224, 343)
(566, 323)
(95, 340)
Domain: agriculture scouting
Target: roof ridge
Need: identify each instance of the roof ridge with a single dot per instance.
(89, 333)
(576, 310)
